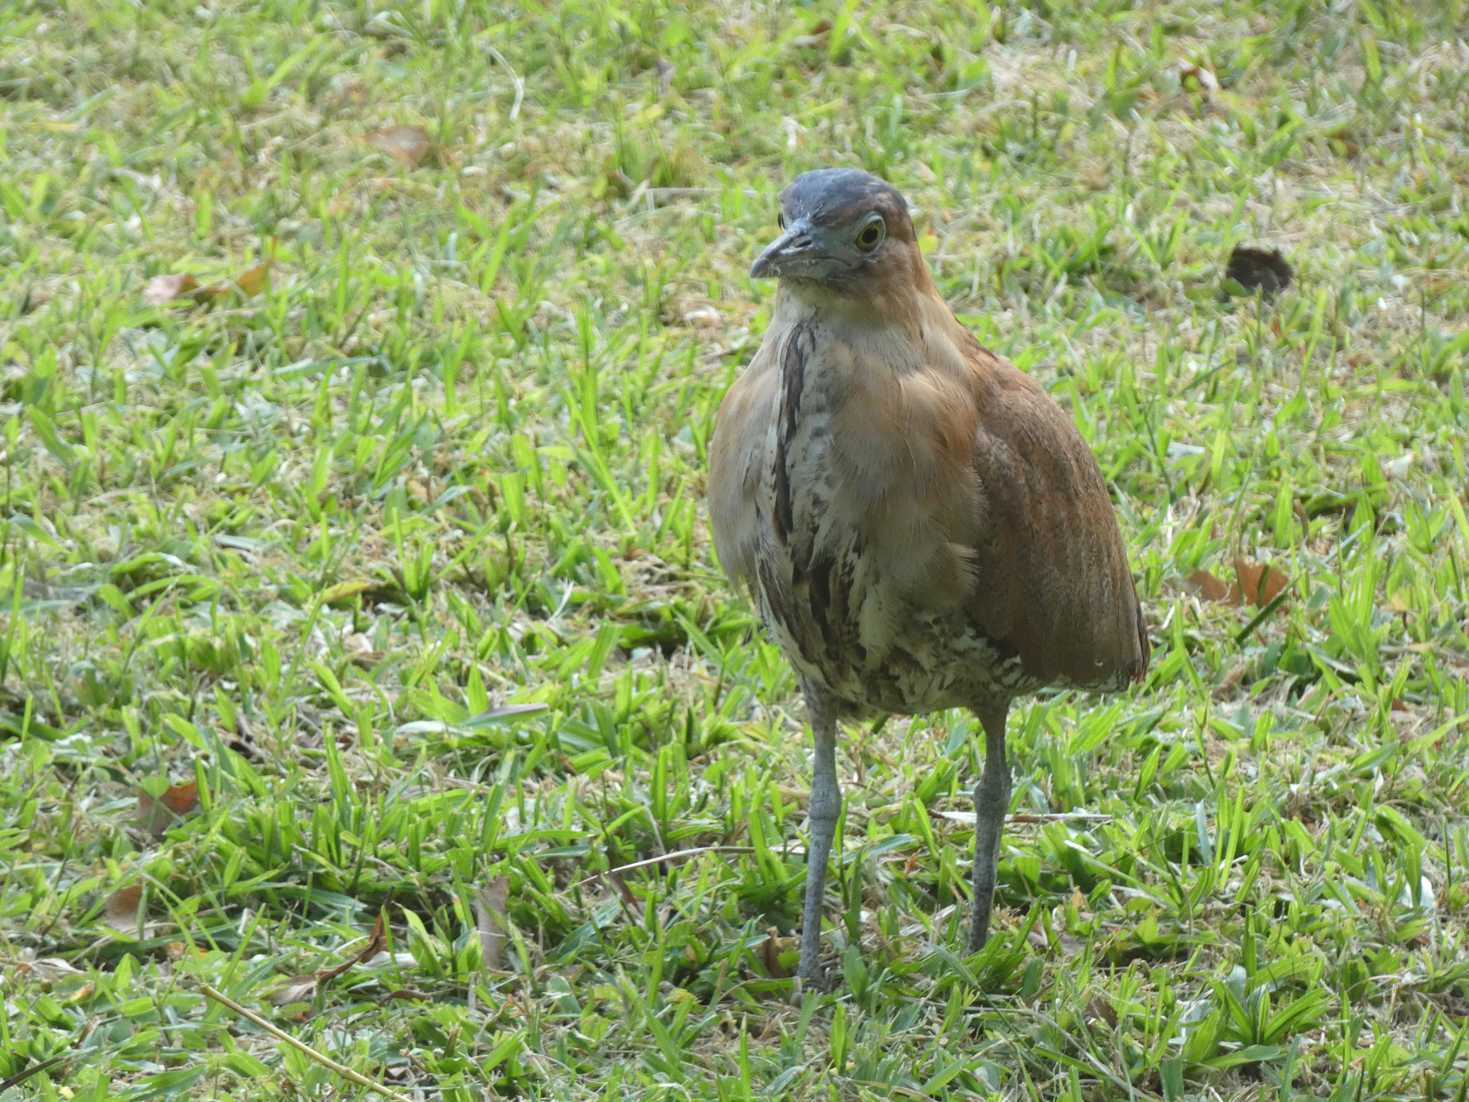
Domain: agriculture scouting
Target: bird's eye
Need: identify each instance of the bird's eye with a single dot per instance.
(780, 220)
(871, 235)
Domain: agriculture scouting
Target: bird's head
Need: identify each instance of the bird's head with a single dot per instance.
(845, 231)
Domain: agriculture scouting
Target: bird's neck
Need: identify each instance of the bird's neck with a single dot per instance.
(910, 307)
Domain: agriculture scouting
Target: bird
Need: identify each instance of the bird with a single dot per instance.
(919, 524)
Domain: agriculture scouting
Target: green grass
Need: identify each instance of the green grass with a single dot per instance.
(306, 544)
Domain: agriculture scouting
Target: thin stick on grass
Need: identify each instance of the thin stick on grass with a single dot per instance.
(301, 1046)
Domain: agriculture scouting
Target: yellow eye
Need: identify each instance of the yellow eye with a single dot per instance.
(871, 235)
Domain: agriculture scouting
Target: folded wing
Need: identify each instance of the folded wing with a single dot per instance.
(1054, 580)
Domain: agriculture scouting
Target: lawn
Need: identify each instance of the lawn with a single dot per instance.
(359, 366)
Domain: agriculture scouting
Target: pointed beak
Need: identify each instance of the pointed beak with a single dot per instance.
(797, 243)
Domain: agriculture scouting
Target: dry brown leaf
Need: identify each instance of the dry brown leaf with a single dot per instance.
(254, 280)
(162, 290)
(167, 288)
(1212, 589)
(157, 815)
(181, 798)
(493, 921)
(1101, 1009)
(770, 950)
(121, 911)
(408, 144)
(47, 969)
(298, 988)
(375, 945)
(1259, 583)
(294, 990)
(816, 36)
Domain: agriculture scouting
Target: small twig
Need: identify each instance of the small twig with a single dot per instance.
(676, 855)
(301, 1046)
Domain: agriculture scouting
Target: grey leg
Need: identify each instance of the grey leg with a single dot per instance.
(826, 805)
(991, 801)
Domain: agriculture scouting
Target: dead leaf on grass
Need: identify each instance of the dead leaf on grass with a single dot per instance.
(161, 290)
(1259, 583)
(166, 288)
(770, 950)
(47, 969)
(1100, 1008)
(156, 815)
(375, 945)
(493, 921)
(408, 144)
(817, 35)
(122, 909)
(1256, 583)
(299, 988)
(253, 280)
(1212, 589)
(294, 990)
